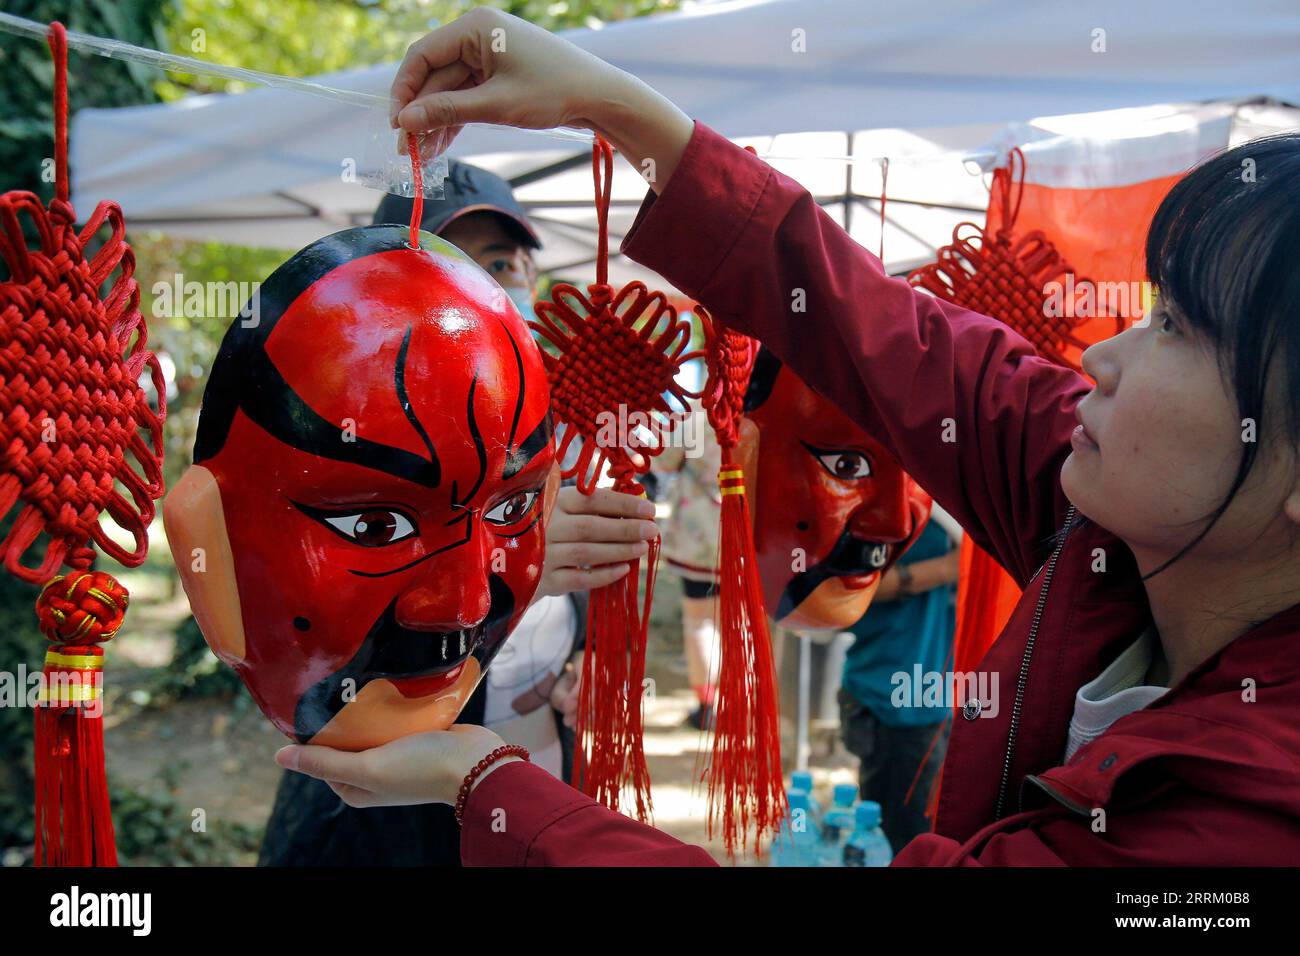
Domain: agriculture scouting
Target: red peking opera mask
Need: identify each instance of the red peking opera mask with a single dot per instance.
(363, 524)
(832, 507)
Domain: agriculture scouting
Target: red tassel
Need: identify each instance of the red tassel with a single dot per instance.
(613, 353)
(74, 823)
(744, 774)
(610, 754)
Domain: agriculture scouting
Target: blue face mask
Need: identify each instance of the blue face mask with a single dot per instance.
(523, 300)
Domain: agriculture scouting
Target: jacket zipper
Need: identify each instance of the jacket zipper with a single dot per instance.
(1048, 570)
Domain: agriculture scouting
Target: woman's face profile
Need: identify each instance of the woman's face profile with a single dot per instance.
(1160, 444)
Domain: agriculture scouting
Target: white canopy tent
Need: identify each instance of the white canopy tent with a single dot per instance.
(940, 89)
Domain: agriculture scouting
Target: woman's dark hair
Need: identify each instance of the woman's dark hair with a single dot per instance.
(1224, 252)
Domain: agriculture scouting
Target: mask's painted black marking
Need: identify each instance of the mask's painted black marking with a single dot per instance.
(518, 458)
(399, 382)
(390, 649)
(278, 409)
(851, 555)
(519, 396)
(244, 378)
(762, 379)
(478, 447)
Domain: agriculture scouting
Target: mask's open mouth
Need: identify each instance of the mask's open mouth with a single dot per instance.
(417, 663)
(854, 562)
(401, 652)
(858, 557)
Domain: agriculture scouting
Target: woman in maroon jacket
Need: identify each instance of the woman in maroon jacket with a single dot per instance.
(1150, 677)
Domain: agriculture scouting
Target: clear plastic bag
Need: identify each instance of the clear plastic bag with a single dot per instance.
(385, 167)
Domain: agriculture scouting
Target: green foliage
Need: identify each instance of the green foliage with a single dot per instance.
(153, 829)
(309, 37)
(21, 644)
(27, 93)
(195, 672)
(191, 342)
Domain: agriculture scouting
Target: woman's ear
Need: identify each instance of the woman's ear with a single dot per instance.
(196, 533)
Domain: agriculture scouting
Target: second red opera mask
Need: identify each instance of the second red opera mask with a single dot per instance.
(832, 508)
(363, 524)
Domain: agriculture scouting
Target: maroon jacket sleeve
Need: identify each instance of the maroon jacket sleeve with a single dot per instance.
(965, 404)
(520, 815)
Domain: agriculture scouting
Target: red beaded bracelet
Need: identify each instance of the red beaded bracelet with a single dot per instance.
(510, 750)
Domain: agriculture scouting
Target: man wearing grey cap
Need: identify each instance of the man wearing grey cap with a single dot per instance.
(479, 214)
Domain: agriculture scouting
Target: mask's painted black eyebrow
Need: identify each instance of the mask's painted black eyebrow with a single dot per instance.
(399, 382)
(519, 395)
(518, 458)
(478, 447)
(282, 412)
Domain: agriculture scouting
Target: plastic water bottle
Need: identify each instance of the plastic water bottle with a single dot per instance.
(868, 845)
(796, 842)
(803, 780)
(837, 824)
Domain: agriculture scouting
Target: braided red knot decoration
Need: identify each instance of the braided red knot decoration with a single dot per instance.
(617, 359)
(71, 408)
(744, 772)
(1005, 276)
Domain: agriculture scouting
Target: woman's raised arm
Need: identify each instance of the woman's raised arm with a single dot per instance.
(969, 409)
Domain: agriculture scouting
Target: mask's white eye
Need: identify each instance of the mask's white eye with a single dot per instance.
(372, 529)
(512, 510)
(848, 465)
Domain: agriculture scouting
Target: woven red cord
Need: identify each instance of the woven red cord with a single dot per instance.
(71, 407)
(1006, 276)
(417, 180)
(617, 357)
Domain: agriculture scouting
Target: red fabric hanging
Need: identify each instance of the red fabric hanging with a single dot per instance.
(618, 355)
(71, 408)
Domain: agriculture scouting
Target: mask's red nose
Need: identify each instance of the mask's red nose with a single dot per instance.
(456, 602)
(887, 516)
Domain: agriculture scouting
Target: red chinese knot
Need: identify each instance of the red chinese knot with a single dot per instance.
(71, 406)
(1005, 276)
(619, 355)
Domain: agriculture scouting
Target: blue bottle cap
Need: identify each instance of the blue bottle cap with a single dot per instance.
(867, 815)
(802, 780)
(844, 794)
